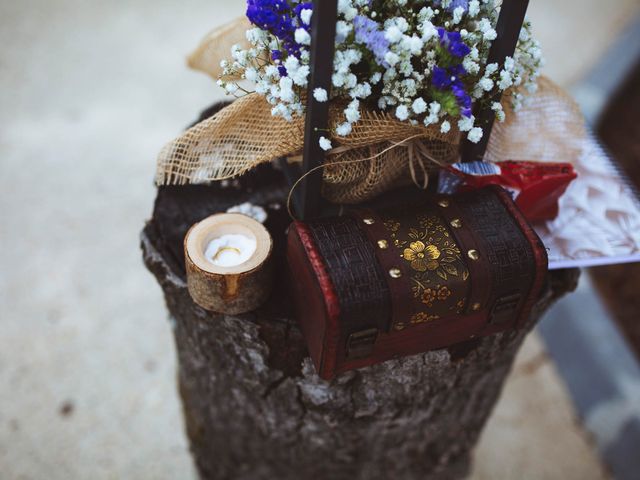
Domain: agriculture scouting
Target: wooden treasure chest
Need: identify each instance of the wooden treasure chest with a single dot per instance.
(374, 285)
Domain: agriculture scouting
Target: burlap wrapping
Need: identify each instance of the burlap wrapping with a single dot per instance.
(381, 152)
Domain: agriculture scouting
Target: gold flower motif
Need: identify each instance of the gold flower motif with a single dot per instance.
(422, 317)
(422, 257)
(428, 296)
(443, 293)
(392, 225)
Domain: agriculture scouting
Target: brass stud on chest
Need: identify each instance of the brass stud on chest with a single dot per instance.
(473, 254)
(368, 221)
(444, 203)
(475, 307)
(383, 244)
(456, 223)
(395, 273)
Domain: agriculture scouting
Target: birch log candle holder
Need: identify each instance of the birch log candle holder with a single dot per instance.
(228, 263)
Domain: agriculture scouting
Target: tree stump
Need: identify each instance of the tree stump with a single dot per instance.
(254, 407)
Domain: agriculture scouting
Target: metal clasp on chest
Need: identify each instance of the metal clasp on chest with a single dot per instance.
(360, 344)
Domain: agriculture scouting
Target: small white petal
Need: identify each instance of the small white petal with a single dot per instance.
(320, 94)
(325, 143)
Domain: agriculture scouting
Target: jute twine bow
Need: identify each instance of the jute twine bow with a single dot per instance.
(416, 150)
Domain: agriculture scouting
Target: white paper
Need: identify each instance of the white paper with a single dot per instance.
(599, 218)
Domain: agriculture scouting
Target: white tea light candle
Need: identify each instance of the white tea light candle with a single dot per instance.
(227, 259)
(230, 250)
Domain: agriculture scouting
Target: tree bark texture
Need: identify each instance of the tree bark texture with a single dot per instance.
(254, 407)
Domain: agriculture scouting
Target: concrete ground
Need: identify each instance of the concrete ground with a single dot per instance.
(89, 92)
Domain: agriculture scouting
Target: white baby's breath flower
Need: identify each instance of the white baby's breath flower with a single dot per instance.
(466, 123)
(299, 76)
(474, 8)
(231, 88)
(346, 8)
(343, 29)
(497, 108)
(262, 87)
(475, 134)
(425, 13)
(412, 44)
(305, 16)
(391, 58)
(428, 31)
(505, 80)
(490, 69)
(302, 36)
(256, 36)
(490, 34)
(470, 66)
(320, 94)
(445, 126)
(419, 106)
(393, 34)
(486, 84)
(343, 129)
(509, 64)
(458, 12)
(352, 112)
(399, 22)
(325, 143)
(286, 89)
(281, 110)
(402, 112)
(361, 90)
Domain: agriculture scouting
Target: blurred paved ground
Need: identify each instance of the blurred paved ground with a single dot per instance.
(89, 91)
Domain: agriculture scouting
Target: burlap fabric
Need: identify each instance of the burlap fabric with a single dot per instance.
(381, 152)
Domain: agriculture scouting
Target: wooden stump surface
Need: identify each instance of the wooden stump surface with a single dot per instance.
(254, 407)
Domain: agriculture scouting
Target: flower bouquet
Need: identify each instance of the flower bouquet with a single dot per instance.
(407, 78)
(423, 62)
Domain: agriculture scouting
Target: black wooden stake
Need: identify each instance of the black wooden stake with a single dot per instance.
(510, 22)
(323, 34)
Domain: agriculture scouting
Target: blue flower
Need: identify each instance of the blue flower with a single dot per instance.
(454, 4)
(368, 32)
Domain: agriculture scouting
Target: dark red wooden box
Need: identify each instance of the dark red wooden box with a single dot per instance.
(371, 286)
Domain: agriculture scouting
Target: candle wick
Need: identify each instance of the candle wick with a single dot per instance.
(222, 249)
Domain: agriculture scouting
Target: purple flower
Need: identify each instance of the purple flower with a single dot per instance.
(457, 70)
(449, 78)
(440, 78)
(453, 43)
(368, 32)
(462, 98)
(277, 17)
